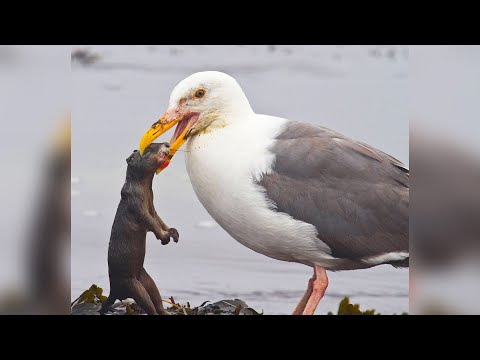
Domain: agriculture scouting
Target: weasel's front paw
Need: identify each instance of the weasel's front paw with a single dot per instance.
(164, 237)
(174, 234)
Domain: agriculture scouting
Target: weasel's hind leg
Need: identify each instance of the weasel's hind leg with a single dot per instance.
(107, 304)
(152, 290)
(140, 295)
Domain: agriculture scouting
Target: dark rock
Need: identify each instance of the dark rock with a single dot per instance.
(222, 307)
(84, 57)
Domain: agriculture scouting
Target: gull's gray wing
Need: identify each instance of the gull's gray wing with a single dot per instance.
(355, 195)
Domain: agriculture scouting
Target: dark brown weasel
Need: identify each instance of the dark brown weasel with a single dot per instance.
(135, 217)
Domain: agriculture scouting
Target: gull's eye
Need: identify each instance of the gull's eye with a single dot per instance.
(200, 93)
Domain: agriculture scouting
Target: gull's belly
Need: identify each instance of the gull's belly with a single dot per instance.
(223, 173)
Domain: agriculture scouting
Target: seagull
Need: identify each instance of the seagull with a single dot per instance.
(290, 190)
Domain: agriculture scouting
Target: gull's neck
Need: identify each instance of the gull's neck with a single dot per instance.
(235, 113)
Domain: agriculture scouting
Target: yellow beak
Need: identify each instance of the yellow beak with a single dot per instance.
(165, 123)
(157, 129)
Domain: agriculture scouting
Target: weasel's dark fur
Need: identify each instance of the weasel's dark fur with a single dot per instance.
(135, 217)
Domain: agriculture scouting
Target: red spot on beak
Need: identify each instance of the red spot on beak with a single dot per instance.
(165, 164)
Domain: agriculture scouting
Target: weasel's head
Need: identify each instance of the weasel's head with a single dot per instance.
(154, 157)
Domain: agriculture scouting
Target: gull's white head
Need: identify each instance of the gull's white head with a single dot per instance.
(212, 94)
(204, 100)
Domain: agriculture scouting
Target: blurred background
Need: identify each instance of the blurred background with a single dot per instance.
(445, 177)
(35, 88)
(119, 91)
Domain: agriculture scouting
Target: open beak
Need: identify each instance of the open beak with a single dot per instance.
(185, 123)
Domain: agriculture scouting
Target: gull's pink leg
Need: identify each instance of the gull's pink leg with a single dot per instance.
(303, 301)
(320, 283)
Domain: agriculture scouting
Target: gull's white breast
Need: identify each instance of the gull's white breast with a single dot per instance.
(223, 165)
